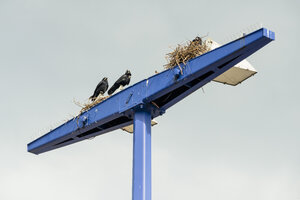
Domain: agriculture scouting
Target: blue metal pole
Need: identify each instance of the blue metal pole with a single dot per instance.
(141, 177)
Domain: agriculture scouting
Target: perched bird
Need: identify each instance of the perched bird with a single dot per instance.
(100, 89)
(121, 82)
(197, 40)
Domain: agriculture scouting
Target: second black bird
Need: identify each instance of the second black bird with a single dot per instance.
(121, 82)
(100, 89)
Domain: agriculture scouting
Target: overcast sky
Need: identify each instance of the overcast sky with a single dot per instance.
(228, 143)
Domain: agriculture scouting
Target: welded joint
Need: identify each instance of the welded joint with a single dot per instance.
(145, 107)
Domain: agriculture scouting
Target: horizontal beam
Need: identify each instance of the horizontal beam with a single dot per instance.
(158, 93)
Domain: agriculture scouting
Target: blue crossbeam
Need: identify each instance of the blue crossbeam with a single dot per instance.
(158, 93)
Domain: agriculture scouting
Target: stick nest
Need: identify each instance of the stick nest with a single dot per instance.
(90, 104)
(184, 52)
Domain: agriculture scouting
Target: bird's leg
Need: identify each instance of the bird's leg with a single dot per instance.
(121, 87)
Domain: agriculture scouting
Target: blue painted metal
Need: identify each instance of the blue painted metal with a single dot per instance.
(141, 172)
(158, 92)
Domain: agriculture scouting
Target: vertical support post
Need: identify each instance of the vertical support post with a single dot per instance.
(141, 175)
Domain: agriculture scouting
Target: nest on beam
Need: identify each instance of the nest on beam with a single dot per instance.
(89, 105)
(184, 52)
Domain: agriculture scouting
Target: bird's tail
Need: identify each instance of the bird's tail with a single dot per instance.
(112, 89)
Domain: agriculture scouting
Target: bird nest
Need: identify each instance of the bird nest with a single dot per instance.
(184, 52)
(89, 105)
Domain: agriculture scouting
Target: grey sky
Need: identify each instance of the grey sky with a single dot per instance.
(232, 143)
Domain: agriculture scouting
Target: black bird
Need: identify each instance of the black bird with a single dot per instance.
(100, 89)
(197, 40)
(121, 82)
